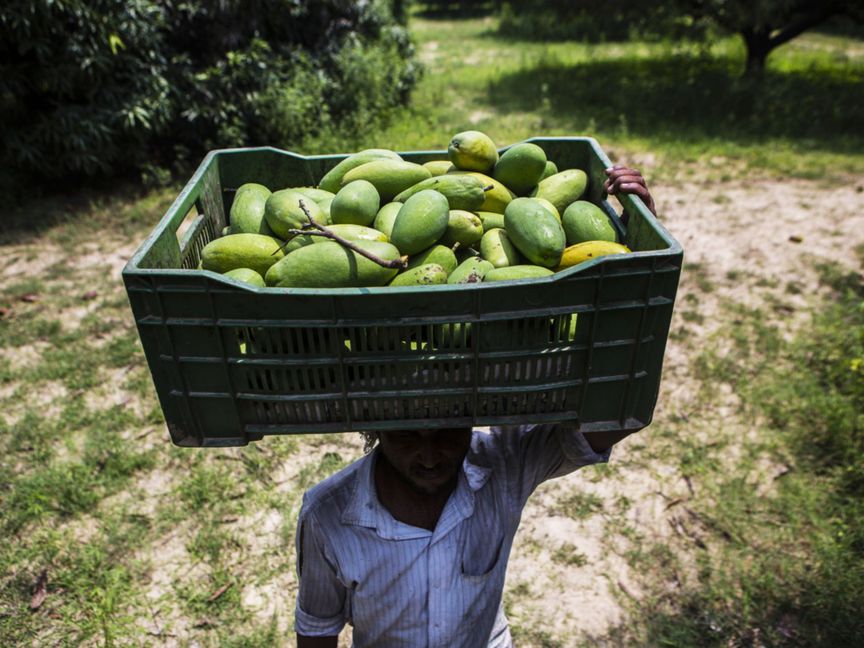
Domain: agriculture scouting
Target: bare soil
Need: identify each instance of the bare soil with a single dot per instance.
(570, 580)
(752, 245)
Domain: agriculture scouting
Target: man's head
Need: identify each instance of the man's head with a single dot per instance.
(427, 460)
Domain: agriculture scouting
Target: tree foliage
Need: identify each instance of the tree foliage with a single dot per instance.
(592, 20)
(92, 86)
(763, 24)
(767, 24)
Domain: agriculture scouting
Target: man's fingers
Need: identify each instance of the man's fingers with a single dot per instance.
(623, 179)
(619, 170)
(641, 191)
(614, 185)
(634, 188)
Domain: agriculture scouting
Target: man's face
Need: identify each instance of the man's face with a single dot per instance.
(428, 460)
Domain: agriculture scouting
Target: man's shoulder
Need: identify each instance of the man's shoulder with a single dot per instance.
(334, 493)
(496, 440)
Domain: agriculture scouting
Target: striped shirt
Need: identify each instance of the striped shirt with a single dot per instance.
(403, 586)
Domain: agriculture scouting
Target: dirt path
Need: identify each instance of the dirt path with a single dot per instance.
(754, 245)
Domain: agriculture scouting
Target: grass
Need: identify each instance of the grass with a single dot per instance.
(685, 103)
(578, 505)
(138, 538)
(785, 566)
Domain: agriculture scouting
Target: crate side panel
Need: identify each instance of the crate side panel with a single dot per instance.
(273, 168)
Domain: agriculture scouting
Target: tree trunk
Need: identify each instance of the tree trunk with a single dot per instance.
(759, 45)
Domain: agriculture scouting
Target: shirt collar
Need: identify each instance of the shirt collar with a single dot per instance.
(365, 510)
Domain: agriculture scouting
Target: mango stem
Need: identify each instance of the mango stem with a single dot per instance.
(316, 229)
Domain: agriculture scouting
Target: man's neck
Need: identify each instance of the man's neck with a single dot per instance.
(404, 502)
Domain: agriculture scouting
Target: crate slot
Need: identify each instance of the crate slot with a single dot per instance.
(195, 231)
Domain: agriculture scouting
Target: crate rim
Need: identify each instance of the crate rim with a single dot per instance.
(182, 203)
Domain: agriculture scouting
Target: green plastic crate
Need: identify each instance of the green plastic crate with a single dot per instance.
(232, 363)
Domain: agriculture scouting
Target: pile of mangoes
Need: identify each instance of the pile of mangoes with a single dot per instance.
(376, 220)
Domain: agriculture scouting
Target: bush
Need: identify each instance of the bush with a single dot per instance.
(95, 87)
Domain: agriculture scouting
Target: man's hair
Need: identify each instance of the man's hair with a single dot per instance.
(369, 441)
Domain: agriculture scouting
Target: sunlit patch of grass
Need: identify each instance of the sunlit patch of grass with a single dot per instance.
(569, 554)
(311, 474)
(90, 585)
(785, 565)
(578, 505)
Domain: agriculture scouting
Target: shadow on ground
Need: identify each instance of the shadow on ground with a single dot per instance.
(121, 209)
(692, 98)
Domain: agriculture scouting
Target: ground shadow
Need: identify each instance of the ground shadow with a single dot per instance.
(99, 205)
(692, 98)
(454, 10)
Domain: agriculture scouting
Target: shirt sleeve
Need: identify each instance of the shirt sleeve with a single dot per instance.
(321, 599)
(536, 453)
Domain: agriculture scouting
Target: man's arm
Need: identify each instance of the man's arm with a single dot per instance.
(320, 607)
(316, 642)
(621, 180)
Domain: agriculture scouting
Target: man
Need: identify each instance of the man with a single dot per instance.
(410, 543)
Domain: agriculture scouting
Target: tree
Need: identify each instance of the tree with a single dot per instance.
(97, 87)
(767, 24)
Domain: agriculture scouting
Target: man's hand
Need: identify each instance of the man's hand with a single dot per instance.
(625, 180)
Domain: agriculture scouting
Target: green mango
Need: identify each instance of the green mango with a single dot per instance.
(496, 248)
(511, 273)
(548, 205)
(255, 251)
(329, 265)
(346, 231)
(439, 167)
(332, 180)
(462, 191)
(535, 232)
(301, 240)
(284, 212)
(352, 232)
(463, 228)
(490, 220)
(247, 210)
(584, 221)
(386, 216)
(325, 205)
(390, 177)
(247, 275)
(472, 151)
(471, 270)
(318, 195)
(437, 254)
(421, 221)
(428, 274)
(520, 167)
(550, 170)
(496, 196)
(356, 203)
(562, 188)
